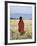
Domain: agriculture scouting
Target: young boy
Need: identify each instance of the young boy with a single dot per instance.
(21, 26)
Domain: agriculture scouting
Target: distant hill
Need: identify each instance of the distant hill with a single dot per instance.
(14, 18)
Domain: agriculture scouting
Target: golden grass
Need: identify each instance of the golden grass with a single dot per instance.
(14, 34)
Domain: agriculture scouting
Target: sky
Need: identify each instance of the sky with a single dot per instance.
(24, 11)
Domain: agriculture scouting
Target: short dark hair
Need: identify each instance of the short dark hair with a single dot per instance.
(20, 18)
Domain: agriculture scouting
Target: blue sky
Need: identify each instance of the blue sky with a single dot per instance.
(24, 11)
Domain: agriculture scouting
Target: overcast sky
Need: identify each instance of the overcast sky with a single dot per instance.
(24, 11)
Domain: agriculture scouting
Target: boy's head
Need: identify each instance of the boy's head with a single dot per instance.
(20, 18)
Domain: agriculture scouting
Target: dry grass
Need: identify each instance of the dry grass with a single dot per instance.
(14, 34)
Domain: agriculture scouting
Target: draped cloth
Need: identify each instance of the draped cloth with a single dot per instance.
(21, 26)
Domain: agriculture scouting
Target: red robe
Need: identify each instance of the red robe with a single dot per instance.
(21, 26)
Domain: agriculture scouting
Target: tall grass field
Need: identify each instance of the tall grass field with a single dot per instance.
(15, 34)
